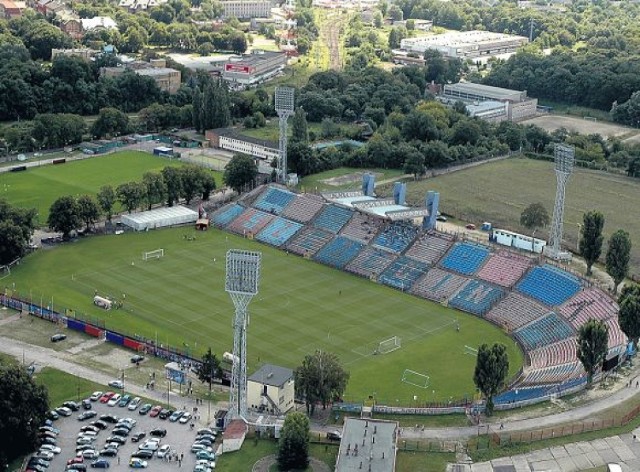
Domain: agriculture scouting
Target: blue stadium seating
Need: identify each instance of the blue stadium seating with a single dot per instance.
(465, 258)
(309, 241)
(550, 285)
(274, 200)
(476, 297)
(370, 262)
(279, 231)
(521, 394)
(339, 252)
(403, 273)
(333, 218)
(546, 330)
(226, 215)
(396, 236)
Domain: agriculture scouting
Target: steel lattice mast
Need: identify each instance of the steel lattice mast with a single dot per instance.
(284, 98)
(241, 283)
(564, 158)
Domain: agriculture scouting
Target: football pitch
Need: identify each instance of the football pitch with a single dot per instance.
(302, 306)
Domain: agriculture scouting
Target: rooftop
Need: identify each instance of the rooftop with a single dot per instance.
(156, 71)
(470, 87)
(367, 445)
(462, 38)
(234, 134)
(273, 375)
(255, 58)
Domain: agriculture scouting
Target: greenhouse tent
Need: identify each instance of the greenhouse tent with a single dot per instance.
(152, 219)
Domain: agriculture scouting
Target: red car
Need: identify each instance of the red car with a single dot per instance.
(155, 411)
(75, 460)
(106, 397)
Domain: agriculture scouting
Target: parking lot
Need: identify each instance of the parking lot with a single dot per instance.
(179, 436)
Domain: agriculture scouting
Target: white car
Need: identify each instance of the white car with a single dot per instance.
(206, 463)
(90, 454)
(134, 403)
(137, 463)
(164, 450)
(114, 400)
(85, 440)
(50, 448)
(149, 445)
(185, 418)
(87, 433)
(95, 396)
(46, 455)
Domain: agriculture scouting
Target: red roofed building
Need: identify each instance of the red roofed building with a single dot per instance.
(11, 9)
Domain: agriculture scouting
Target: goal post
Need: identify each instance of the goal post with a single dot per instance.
(414, 378)
(5, 271)
(470, 350)
(155, 254)
(388, 345)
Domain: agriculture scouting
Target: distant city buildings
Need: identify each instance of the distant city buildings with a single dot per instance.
(84, 53)
(246, 8)
(252, 69)
(140, 5)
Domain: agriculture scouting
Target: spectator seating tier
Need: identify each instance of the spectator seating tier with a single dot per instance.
(438, 284)
(520, 395)
(616, 335)
(558, 353)
(548, 284)
(589, 303)
(549, 329)
(476, 297)
(553, 374)
(430, 247)
(303, 208)
(309, 241)
(339, 252)
(279, 231)
(362, 227)
(226, 214)
(516, 310)
(274, 200)
(402, 273)
(505, 268)
(465, 258)
(332, 218)
(370, 262)
(396, 236)
(251, 221)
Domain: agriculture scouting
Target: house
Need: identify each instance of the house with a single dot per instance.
(11, 9)
(271, 389)
(98, 22)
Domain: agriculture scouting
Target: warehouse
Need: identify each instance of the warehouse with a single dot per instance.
(255, 68)
(159, 218)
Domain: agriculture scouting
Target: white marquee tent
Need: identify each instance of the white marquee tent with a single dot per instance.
(159, 218)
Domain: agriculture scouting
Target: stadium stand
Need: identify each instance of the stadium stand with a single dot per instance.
(339, 252)
(303, 208)
(370, 262)
(549, 329)
(616, 335)
(309, 241)
(465, 258)
(396, 236)
(332, 218)
(516, 310)
(520, 395)
(279, 231)
(438, 284)
(561, 352)
(430, 247)
(504, 268)
(548, 284)
(251, 221)
(553, 374)
(476, 297)
(274, 200)
(362, 227)
(226, 214)
(403, 273)
(589, 303)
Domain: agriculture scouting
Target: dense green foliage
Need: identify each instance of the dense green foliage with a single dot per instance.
(16, 228)
(293, 446)
(240, 171)
(492, 367)
(592, 346)
(320, 379)
(591, 239)
(618, 256)
(629, 315)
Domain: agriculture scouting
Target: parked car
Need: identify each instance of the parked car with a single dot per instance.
(100, 424)
(470, 226)
(64, 411)
(163, 450)
(81, 467)
(75, 460)
(185, 417)
(200, 447)
(90, 427)
(143, 454)
(175, 416)
(158, 432)
(205, 441)
(109, 418)
(95, 396)
(50, 448)
(117, 439)
(46, 455)
(87, 415)
(58, 337)
(90, 454)
(137, 359)
(73, 406)
(334, 435)
(109, 452)
(86, 404)
(124, 401)
(116, 384)
(138, 436)
(149, 445)
(49, 428)
(120, 432)
(205, 455)
(106, 397)
(137, 463)
(51, 441)
(155, 411)
(134, 403)
(113, 401)
(100, 464)
(144, 409)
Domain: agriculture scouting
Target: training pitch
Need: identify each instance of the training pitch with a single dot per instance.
(302, 306)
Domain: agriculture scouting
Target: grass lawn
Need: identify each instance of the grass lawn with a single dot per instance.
(271, 131)
(302, 306)
(416, 461)
(63, 386)
(499, 191)
(39, 187)
(318, 181)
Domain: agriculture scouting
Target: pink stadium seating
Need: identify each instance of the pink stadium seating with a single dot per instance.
(514, 311)
(362, 227)
(561, 352)
(504, 268)
(438, 284)
(589, 303)
(430, 247)
(303, 208)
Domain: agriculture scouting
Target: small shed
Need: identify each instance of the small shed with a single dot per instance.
(202, 224)
(159, 218)
(176, 372)
(162, 151)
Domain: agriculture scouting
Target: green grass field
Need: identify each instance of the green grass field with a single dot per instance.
(499, 191)
(302, 306)
(349, 178)
(40, 186)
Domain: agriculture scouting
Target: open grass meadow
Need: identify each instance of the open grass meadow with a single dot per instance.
(39, 187)
(499, 191)
(302, 306)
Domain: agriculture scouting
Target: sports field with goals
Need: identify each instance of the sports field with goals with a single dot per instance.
(38, 187)
(302, 306)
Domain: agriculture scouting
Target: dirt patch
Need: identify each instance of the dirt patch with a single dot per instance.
(348, 179)
(579, 125)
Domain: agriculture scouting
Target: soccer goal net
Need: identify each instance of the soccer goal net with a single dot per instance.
(5, 271)
(157, 254)
(388, 345)
(471, 351)
(414, 378)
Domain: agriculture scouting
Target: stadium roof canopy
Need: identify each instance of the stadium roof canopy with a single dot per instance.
(382, 208)
(159, 218)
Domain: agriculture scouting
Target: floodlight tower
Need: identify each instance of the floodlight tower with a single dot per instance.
(284, 108)
(241, 283)
(564, 158)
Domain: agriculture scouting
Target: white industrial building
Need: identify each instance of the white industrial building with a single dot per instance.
(231, 140)
(246, 8)
(159, 218)
(252, 69)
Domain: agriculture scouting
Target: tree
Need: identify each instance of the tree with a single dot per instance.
(592, 346)
(240, 171)
(629, 313)
(130, 195)
(154, 188)
(106, 199)
(209, 369)
(414, 164)
(197, 110)
(207, 183)
(110, 122)
(191, 178)
(590, 244)
(173, 182)
(88, 210)
(64, 216)
(16, 227)
(320, 379)
(492, 367)
(24, 405)
(293, 445)
(533, 217)
(299, 128)
(618, 255)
